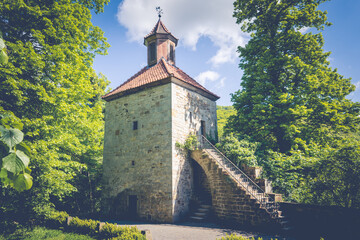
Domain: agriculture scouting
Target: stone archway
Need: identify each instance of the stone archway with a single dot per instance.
(201, 184)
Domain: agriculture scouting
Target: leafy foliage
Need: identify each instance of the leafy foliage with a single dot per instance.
(14, 171)
(50, 85)
(88, 226)
(321, 175)
(3, 54)
(40, 233)
(237, 237)
(294, 104)
(238, 150)
(290, 96)
(112, 231)
(191, 143)
(223, 113)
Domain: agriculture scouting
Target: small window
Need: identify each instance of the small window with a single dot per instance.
(202, 128)
(135, 125)
(152, 51)
(172, 53)
(133, 163)
(190, 116)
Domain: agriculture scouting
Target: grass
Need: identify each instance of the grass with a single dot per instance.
(40, 233)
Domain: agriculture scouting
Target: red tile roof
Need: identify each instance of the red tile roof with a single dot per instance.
(148, 75)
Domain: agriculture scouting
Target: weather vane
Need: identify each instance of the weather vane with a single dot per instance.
(159, 11)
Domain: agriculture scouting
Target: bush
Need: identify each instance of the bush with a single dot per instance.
(111, 231)
(238, 150)
(41, 233)
(55, 219)
(87, 226)
(235, 237)
(190, 144)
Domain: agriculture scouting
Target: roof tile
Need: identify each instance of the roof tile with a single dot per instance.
(160, 71)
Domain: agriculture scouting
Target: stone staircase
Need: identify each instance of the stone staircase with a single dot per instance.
(266, 200)
(201, 212)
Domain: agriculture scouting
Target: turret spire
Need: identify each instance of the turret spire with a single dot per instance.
(160, 43)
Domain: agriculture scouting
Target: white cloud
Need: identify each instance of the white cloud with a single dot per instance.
(357, 85)
(221, 83)
(188, 20)
(203, 77)
(304, 30)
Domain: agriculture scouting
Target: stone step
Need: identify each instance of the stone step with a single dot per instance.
(288, 229)
(203, 209)
(200, 214)
(197, 218)
(205, 206)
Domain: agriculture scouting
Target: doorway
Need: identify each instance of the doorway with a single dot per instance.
(133, 206)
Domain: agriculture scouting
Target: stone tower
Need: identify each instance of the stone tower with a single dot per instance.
(145, 175)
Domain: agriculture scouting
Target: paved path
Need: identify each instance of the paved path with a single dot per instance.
(189, 231)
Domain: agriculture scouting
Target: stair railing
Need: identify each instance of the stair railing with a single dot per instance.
(258, 193)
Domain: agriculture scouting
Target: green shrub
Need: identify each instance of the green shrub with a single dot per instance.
(54, 219)
(190, 143)
(41, 233)
(235, 237)
(87, 226)
(112, 231)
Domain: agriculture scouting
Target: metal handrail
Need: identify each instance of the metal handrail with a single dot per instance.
(258, 191)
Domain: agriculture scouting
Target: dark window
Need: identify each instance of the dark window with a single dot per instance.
(203, 130)
(172, 53)
(190, 116)
(152, 51)
(133, 163)
(135, 125)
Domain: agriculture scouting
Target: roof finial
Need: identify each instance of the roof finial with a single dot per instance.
(159, 11)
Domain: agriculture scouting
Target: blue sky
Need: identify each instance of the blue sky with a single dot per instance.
(208, 36)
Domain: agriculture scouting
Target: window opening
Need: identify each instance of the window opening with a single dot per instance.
(172, 53)
(152, 50)
(135, 125)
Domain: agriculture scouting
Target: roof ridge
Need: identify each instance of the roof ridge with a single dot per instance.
(131, 78)
(166, 30)
(164, 62)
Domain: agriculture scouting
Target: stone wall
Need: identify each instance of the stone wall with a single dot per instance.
(138, 162)
(230, 203)
(188, 110)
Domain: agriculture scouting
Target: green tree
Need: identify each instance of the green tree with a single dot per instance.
(290, 96)
(238, 150)
(50, 85)
(223, 113)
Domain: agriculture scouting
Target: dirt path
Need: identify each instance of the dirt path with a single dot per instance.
(190, 231)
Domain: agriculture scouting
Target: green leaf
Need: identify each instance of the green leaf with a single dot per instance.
(23, 147)
(3, 56)
(16, 162)
(23, 182)
(3, 173)
(2, 44)
(11, 136)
